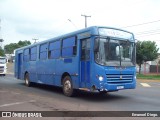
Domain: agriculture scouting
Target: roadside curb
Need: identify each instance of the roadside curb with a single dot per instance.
(147, 80)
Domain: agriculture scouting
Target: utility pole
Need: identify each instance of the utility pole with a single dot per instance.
(35, 40)
(85, 16)
(1, 40)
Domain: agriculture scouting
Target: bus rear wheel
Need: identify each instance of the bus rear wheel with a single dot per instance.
(27, 81)
(67, 86)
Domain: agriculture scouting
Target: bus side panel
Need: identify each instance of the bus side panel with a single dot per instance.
(50, 70)
(32, 71)
(26, 66)
(68, 63)
(58, 72)
(70, 66)
(45, 71)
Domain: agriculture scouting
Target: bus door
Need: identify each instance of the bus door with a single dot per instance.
(20, 57)
(85, 62)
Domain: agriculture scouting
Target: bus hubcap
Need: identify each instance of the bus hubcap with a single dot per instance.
(67, 86)
(27, 81)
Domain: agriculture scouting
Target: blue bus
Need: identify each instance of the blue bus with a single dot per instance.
(94, 59)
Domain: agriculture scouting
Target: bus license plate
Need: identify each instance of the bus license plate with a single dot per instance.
(120, 87)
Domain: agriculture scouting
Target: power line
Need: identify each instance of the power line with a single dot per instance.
(72, 23)
(148, 32)
(141, 24)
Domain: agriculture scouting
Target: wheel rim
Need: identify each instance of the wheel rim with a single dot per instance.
(27, 81)
(67, 86)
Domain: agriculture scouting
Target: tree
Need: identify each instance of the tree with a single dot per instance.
(23, 43)
(12, 46)
(1, 52)
(146, 51)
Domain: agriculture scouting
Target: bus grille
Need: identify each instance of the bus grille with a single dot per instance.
(119, 78)
(1, 69)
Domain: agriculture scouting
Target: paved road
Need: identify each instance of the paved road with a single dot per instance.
(15, 96)
(142, 98)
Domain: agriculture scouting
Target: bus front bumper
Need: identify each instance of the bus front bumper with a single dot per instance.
(116, 87)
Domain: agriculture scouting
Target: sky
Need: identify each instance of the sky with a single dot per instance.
(44, 19)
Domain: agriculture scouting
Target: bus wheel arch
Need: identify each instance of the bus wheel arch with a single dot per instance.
(27, 80)
(63, 76)
(67, 85)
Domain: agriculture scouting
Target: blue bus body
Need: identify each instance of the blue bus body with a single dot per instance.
(84, 56)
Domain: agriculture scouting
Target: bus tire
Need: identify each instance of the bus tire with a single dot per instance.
(27, 81)
(67, 86)
(103, 92)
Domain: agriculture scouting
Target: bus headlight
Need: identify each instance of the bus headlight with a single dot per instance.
(100, 78)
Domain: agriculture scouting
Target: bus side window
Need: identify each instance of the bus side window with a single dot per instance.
(33, 55)
(54, 50)
(43, 51)
(69, 47)
(26, 56)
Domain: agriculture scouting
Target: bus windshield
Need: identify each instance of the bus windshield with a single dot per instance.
(114, 52)
(2, 60)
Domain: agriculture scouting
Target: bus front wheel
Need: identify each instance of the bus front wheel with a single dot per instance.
(27, 81)
(67, 86)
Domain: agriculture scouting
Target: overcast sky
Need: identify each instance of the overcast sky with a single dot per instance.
(44, 19)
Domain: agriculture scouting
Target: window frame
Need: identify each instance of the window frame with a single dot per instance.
(54, 49)
(74, 47)
(28, 59)
(46, 50)
(33, 53)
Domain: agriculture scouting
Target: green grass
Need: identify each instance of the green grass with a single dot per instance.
(151, 77)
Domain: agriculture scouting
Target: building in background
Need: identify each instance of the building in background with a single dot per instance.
(150, 67)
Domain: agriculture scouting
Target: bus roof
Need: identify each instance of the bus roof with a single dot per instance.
(93, 31)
